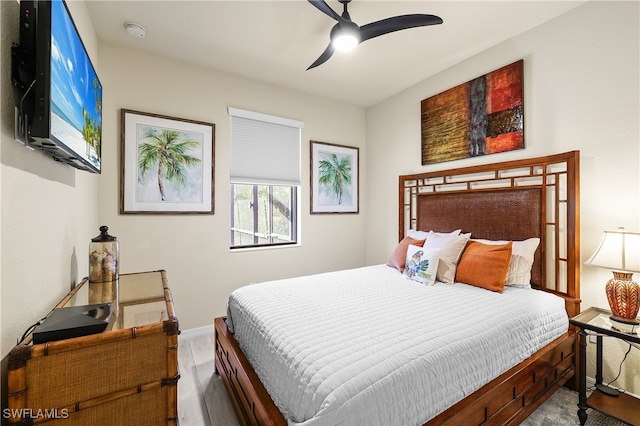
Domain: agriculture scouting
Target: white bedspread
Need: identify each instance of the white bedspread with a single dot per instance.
(366, 346)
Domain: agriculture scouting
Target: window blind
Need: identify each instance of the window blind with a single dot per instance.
(264, 148)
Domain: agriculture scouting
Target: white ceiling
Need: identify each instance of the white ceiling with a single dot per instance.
(275, 40)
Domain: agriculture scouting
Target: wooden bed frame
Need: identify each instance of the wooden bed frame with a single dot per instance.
(513, 200)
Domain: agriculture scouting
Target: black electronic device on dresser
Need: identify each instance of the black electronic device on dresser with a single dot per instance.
(74, 321)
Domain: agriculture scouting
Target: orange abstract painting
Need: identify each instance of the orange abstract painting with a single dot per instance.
(482, 116)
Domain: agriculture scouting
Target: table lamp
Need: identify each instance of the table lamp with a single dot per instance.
(620, 251)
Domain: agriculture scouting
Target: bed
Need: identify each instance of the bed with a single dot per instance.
(511, 201)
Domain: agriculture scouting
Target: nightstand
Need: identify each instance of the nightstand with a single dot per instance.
(596, 322)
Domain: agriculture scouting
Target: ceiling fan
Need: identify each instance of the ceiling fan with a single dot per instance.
(346, 34)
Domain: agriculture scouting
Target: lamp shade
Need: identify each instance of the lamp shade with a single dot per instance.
(619, 250)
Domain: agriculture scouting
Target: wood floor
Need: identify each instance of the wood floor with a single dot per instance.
(203, 400)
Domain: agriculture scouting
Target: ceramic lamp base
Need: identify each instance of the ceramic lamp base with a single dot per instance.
(623, 295)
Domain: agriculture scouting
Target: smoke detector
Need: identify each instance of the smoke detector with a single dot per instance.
(135, 30)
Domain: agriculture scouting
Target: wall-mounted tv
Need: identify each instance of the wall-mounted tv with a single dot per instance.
(57, 92)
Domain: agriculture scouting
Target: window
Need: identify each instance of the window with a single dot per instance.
(265, 179)
(263, 215)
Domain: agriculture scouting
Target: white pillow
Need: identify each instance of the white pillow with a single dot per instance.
(421, 235)
(451, 247)
(522, 253)
(421, 264)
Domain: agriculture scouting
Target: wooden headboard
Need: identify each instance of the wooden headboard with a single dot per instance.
(514, 200)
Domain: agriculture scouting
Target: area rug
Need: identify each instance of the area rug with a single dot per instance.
(562, 409)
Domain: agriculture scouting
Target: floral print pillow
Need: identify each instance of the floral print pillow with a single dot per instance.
(421, 264)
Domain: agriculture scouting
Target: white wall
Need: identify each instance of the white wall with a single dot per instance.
(49, 210)
(194, 249)
(581, 92)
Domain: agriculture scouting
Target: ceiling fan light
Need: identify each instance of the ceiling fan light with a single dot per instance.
(345, 36)
(345, 42)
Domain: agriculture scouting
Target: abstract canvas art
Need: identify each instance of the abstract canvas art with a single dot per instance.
(482, 116)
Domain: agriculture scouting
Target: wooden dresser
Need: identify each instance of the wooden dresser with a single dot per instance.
(126, 375)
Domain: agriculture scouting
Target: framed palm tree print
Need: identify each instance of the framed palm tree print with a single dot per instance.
(167, 164)
(334, 178)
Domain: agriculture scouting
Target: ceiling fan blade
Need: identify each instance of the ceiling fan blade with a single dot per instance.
(324, 57)
(326, 9)
(397, 23)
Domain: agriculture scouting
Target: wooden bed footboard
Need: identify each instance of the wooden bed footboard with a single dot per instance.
(506, 400)
(252, 403)
(511, 397)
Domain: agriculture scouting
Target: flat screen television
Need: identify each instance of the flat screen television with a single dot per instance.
(57, 92)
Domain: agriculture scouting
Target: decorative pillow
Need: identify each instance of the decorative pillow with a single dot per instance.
(399, 255)
(522, 254)
(484, 265)
(421, 264)
(451, 248)
(421, 235)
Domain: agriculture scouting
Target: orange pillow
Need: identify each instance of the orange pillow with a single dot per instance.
(484, 265)
(399, 255)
